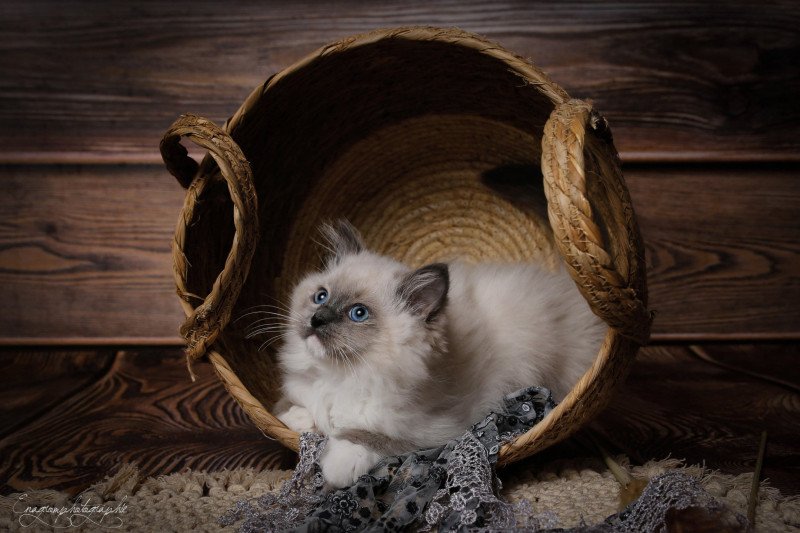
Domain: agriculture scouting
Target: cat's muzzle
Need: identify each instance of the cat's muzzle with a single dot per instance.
(322, 318)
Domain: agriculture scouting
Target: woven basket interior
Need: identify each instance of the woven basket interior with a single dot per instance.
(431, 149)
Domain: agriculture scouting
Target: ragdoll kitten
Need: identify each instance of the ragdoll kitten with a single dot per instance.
(384, 359)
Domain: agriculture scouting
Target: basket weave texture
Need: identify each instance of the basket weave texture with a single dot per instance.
(436, 144)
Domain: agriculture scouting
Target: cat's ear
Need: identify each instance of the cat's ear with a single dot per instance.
(341, 239)
(424, 291)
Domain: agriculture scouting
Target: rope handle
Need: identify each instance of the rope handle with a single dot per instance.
(205, 321)
(614, 286)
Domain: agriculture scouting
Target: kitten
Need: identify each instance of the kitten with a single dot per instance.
(384, 359)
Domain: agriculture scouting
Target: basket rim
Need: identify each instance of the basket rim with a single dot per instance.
(452, 36)
(616, 345)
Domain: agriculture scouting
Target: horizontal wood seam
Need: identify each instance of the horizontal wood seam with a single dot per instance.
(639, 157)
(170, 342)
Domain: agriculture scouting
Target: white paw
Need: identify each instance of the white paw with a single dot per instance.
(298, 419)
(344, 462)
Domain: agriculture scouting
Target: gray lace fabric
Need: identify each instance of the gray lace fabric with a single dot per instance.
(452, 487)
(297, 497)
(660, 506)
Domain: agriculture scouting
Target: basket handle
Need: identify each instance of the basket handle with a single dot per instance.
(205, 322)
(615, 287)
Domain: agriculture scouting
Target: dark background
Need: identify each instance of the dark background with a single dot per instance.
(702, 98)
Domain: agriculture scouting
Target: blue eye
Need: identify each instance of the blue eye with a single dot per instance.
(320, 297)
(358, 313)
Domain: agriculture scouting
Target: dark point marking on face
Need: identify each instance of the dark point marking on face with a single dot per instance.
(336, 331)
(324, 316)
(424, 291)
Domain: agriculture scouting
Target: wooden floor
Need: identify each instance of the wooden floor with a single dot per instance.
(69, 417)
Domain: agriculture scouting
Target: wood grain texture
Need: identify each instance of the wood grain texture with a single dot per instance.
(143, 409)
(773, 362)
(50, 377)
(689, 81)
(85, 252)
(723, 252)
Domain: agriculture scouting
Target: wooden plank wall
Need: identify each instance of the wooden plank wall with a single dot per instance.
(702, 98)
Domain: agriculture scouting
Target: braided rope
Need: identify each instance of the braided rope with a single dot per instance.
(578, 236)
(205, 322)
(618, 298)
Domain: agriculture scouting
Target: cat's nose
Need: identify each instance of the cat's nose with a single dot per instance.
(323, 316)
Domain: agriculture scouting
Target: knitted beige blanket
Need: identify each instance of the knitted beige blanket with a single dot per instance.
(572, 492)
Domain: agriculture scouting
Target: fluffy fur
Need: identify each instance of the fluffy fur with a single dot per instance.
(439, 348)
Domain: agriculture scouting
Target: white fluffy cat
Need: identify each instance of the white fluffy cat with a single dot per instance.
(384, 359)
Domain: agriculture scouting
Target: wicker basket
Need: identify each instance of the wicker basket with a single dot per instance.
(434, 143)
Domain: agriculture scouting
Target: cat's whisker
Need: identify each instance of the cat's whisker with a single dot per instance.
(262, 334)
(269, 313)
(340, 355)
(350, 364)
(274, 318)
(268, 306)
(273, 338)
(269, 342)
(266, 327)
(350, 349)
(274, 299)
(336, 358)
(351, 357)
(261, 308)
(280, 312)
(271, 320)
(265, 345)
(250, 314)
(261, 331)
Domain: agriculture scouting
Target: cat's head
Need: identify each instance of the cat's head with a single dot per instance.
(365, 309)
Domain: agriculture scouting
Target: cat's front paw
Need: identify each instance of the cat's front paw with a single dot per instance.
(298, 419)
(344, 462)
